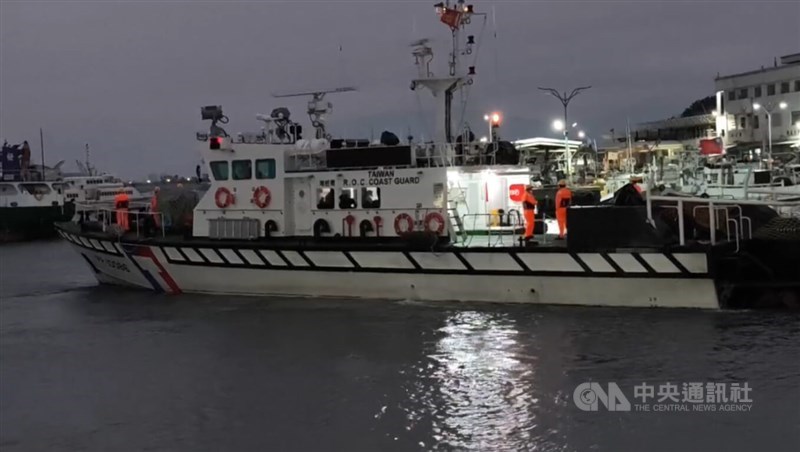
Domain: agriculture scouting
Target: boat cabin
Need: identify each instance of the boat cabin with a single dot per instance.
(278, 184)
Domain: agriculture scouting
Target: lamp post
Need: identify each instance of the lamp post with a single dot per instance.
(768, 108)
(565, 98)
(494, 122)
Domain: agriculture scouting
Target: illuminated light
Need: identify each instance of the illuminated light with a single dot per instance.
(581, 134)
(756, 107)
(714, 112)
(168, 180)
(148, 181)
(215, 142)
(188, 179)
(783, 105)
(485, 117)
(484, 140)
(495, 118)
(574, 124)
(558, 124)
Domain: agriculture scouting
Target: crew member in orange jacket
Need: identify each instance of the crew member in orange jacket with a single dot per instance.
(121, 202)
(635, 181)
(563, 200)
(528, 208)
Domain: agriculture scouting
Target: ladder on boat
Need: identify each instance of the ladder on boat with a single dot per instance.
(456, 224)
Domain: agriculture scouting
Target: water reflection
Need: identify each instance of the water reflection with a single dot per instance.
(476, 386)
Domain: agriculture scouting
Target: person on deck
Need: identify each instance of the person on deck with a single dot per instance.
(636, 180)
(154, 208)
(563, 200)
(529, 210)
(121, 202)
(25, 171)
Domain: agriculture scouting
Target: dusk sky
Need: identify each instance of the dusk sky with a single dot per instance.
(130, 77)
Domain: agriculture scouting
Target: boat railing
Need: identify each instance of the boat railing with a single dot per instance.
(718, 210)
(495, 234)
(453, 154)
(105, 216)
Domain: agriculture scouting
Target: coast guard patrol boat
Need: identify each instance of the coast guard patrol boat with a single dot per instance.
(316, 216)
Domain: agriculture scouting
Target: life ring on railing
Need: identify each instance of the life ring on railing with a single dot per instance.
(398, 222)
(438, 218)
(262, 197)
(224, 198)
(348, 220)
(38, 195)
(378, 225)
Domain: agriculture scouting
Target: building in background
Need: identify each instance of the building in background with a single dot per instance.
(744, 99)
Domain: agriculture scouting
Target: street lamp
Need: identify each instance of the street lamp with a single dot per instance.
(581, 134)
(565, 98)
(494, 122)
(558, 125)
(768, 110)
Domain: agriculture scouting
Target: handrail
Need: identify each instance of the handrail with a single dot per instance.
(713, 205)
(106, 219)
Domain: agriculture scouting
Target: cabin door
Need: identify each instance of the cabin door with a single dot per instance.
(300, 203)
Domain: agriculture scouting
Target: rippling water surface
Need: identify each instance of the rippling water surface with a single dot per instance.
(84, 367)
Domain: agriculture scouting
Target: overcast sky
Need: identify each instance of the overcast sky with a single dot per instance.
(129, 77)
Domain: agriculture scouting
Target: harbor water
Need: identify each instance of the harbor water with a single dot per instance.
(88, 367)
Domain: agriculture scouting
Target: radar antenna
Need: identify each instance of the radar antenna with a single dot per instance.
(316, 108)
(214, 113)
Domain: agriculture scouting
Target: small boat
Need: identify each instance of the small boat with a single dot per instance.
(291, 215)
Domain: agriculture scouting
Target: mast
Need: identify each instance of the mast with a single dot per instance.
(457, 16)
(41, 146)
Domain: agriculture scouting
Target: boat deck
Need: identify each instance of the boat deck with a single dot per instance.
(510, 237)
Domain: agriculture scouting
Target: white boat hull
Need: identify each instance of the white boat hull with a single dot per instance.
(502, 275)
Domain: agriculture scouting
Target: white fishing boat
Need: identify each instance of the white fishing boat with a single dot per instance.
(292, 215)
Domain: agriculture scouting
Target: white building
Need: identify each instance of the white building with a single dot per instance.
(743, 101)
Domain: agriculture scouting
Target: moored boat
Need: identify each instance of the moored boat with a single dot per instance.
(290, 215)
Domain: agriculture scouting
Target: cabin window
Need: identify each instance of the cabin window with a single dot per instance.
(438, 195)
(220, 170)
(784, 87)
(371, 197)
(325, 198)
(242, 169)
(265, 169)
(757, 92)
(7, 190)
(771, 89)
(59, 187)
(731, 95)
(36, 189)
(347, 199)
(743, 93)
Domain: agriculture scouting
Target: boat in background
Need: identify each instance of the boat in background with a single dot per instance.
(29, 208)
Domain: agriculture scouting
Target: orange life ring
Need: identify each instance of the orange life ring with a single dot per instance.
(224, 198)
(403, 217)
(262, 197)
(434, 216)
